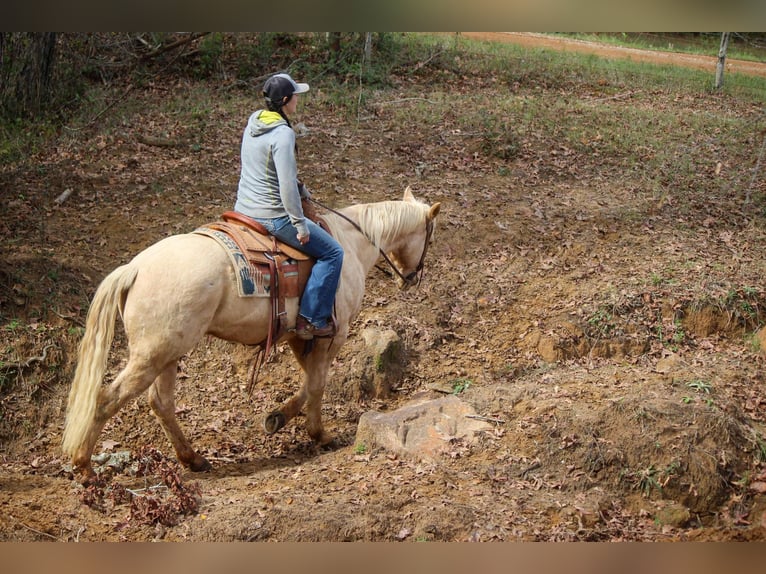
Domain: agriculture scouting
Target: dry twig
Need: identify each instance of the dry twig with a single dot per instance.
(40, 532)
(72, 318)
(20, 366)
(483, 418)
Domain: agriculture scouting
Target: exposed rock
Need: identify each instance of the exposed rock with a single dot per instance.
(424, 429)
(618, 348)
(760, 337)
(567, 340)
(675, 515)
(375, 367)
(384, 362)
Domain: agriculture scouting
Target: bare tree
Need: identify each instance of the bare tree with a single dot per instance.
(367, 46)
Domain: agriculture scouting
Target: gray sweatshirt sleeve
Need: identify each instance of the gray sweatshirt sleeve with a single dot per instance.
(287, 173)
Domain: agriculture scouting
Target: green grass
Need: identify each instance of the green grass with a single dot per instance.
(460, 385)
(505, 94)
(19, 138)
(708, 44)
(511, 64)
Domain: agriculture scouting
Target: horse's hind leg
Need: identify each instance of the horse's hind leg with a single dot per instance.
(133, 380)
(162, 401)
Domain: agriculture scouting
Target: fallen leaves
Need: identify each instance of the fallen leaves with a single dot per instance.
(550, 224)
(162, 503)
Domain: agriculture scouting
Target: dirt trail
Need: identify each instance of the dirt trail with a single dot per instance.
(699, 62)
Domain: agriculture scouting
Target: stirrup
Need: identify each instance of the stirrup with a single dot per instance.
(306, 331)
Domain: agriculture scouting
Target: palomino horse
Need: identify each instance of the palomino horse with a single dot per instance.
(183, 287)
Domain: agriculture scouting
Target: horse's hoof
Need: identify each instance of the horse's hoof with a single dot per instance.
(87, 478)
(83, 473)
(200, 465)
(273, 422)
(325, 440)
(331, 444)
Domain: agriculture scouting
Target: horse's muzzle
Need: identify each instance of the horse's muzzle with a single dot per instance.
(410, 280)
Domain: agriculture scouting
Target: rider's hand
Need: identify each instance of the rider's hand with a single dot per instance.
(304, 239)
(303, 191)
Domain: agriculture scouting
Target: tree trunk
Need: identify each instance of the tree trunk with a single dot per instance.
(367, 46)
(721, 60)
(26, 68)
(334, 38)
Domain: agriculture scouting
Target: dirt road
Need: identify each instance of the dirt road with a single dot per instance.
(534, 40)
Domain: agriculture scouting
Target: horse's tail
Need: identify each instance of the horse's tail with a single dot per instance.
(94, 351)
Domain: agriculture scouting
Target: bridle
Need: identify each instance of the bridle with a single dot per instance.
(413, 278)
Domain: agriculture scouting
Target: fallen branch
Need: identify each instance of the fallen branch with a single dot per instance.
(72, 318)
(20, 366)
(180, 42)
(40, 532)
(535, 464)
(483, 418)
(63, 197)
(427, 60)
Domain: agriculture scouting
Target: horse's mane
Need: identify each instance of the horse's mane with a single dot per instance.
(387, 219)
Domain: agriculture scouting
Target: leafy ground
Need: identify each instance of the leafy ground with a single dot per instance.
(595, 288)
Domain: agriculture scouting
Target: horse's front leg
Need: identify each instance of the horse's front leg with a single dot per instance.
(275, 420)
(315, 384)
(315, 367)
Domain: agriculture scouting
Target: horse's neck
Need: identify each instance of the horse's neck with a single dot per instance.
(355, 242)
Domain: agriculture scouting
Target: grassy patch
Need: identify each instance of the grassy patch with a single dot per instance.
(460, 385)
(741, 47)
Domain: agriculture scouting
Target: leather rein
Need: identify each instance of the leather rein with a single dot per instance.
(410, 278)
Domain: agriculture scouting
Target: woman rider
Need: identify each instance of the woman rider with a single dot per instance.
(269, 192)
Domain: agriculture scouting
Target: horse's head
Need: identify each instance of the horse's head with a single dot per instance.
(408, 253)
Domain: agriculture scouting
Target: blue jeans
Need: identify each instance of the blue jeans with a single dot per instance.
(319, 295)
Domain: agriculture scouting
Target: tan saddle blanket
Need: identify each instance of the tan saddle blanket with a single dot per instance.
(265, 267)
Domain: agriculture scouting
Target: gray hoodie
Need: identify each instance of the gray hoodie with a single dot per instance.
(268, 183)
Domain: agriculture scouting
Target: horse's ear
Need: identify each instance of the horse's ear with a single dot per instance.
(434, 210)
(408, 194)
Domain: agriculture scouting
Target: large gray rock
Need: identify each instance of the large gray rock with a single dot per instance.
(423, 428)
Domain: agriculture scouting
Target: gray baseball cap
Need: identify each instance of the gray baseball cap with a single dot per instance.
(280, 86)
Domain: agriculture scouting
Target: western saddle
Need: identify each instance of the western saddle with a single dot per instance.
(288, 270)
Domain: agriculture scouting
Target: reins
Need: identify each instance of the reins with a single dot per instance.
(421, 264)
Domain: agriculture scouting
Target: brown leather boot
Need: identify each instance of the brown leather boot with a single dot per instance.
(306, 330)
